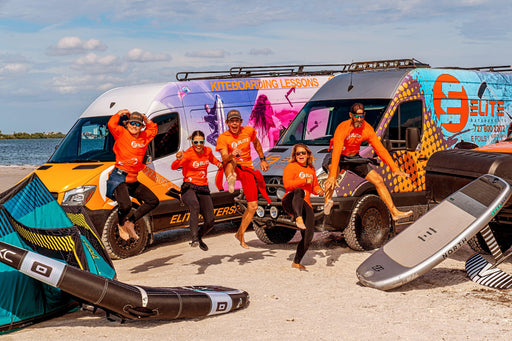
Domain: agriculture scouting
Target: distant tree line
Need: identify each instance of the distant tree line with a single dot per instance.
(32, 136)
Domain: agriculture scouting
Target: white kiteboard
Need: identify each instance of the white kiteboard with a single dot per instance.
(436, 235)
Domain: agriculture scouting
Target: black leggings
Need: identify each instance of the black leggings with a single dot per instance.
(199, 202)
(140, 192)
(294, 204)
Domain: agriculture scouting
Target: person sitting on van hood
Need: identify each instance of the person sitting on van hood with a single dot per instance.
(194, 191)
(346, 143)
(130, 147)
(234, 146)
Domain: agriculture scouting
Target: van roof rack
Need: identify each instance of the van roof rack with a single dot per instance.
(386, 64)
(265, 71)
(492, 68)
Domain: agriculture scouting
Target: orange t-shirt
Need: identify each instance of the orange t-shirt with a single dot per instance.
(347, 141)
(242, 141)
(295, 175)
(130, 151)
(195, 165)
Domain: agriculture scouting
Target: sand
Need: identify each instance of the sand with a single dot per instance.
(326, 302)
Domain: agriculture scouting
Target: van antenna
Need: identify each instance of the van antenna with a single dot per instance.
(350, 86)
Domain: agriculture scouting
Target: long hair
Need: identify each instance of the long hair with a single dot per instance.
(309, 161)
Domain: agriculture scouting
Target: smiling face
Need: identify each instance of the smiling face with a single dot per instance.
(301, 156)
(234, 125)
(134, 128)
(198, 144)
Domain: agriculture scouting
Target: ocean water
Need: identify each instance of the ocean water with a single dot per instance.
(27, 151)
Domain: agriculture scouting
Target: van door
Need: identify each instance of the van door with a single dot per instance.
(407, 115)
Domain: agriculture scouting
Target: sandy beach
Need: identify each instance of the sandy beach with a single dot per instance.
(324, 303)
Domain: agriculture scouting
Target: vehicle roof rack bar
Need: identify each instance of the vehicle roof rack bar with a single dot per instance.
(265, 71)
(492, 68)
(387, 64)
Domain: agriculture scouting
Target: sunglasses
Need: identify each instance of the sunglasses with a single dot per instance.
(137, 124)
(301, 153)
(359, 115)
(196, 142)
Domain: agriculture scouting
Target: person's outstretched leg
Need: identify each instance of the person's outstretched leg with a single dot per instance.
(384, 194)
(307, 236)
(246, 220)
(189, 198)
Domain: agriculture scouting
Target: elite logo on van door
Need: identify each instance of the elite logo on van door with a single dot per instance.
(450, 94)
(453, 108)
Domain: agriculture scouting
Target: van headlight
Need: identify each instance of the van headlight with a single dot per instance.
(260, 212)
(78, 196)
(274, 212)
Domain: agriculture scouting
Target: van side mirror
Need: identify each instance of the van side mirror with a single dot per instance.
(412, 138)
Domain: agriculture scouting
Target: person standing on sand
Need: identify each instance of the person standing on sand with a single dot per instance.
(300, 181)
(234, 146)
(130, 149)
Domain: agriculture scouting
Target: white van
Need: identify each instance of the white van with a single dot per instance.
(267, 97)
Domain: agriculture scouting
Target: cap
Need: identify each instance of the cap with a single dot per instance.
(233, 114)
(136, 117)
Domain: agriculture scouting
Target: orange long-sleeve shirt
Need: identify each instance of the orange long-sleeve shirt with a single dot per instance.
(347, 141)
(130, 151)
(295, 175)
(195, 165)
(242, 141)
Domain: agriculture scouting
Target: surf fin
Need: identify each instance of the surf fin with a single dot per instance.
(484, 273)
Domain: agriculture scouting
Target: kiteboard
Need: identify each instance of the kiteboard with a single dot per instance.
(436, 235)
(121, 299)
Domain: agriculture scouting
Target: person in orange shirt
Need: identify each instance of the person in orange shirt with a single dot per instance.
(346, 142)
(234, 146)
(130, 149)
(299, 180)
(194, 191)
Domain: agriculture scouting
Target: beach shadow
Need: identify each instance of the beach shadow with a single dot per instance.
(241, 258)
(153, 264)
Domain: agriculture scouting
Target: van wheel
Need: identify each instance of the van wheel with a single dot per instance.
(274, 234)
(369, 226)
(118, 248)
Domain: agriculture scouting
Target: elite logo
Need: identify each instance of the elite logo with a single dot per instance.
(450, 103)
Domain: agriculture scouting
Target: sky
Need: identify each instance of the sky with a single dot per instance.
(57, 56)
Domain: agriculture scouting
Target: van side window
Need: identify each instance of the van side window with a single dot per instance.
(408, 114)
(167, 139)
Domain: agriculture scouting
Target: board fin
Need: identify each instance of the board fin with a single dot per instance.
(484, 273)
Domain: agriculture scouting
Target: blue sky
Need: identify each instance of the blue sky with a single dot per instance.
(57, 56)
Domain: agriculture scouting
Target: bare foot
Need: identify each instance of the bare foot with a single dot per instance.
(122, 233)
(328, 206)
(241, 240)
(231, 182)
(300, 223)
(130, 228)
(298, 266)
(401, 215)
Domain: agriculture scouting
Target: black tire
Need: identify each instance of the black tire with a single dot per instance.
(478, 244)
(369, 226)
(274, 234)
(116, 247)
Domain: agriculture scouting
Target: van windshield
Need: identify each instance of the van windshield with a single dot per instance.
(88, 141)
(316, 122)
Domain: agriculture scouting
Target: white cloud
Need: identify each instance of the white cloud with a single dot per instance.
(261, 52)
(74, 45)
(207, 54)
(94, 64)
(138, 55)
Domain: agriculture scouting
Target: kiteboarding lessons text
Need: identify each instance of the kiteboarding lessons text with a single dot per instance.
(255, 84)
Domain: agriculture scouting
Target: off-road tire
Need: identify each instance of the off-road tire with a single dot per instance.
(116, 247)
(274, 234)
(369, 226)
